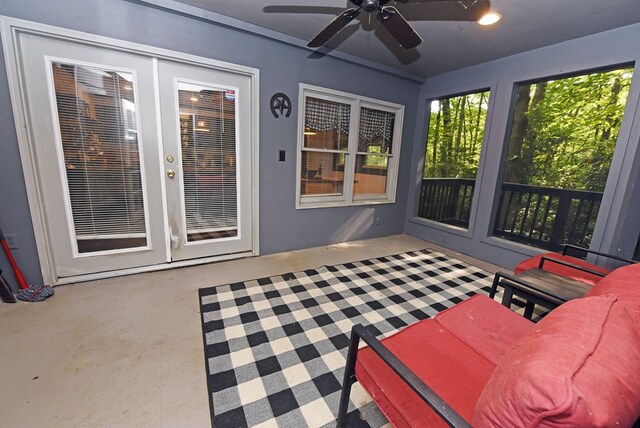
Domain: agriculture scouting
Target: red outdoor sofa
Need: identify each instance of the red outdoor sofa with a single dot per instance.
(480, 364)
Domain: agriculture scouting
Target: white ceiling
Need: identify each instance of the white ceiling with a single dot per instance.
(526, 24)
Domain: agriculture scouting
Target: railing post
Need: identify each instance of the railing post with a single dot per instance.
(423, 199)
(560, 222)
(452, 203)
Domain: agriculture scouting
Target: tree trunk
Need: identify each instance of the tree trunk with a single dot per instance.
(435, 141)
(460, 125)
(514, 165)
(476, 129)
(597, 176)
(447, 136)
(531, 146)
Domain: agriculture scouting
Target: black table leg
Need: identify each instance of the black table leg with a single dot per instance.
(528, 310)
(507, 296)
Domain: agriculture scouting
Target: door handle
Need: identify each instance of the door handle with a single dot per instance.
(171, 173)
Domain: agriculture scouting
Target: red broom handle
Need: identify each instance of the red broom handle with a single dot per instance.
(21, 281)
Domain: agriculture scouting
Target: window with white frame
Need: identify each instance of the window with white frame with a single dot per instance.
(348, 149)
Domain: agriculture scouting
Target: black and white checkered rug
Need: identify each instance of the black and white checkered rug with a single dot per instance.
(275, 348)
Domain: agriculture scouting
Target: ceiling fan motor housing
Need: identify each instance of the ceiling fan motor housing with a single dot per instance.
(371, 5)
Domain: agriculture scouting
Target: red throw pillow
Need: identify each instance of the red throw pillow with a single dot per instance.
(579, 367)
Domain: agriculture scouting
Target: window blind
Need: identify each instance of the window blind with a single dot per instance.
(208, 140)
(97, 117)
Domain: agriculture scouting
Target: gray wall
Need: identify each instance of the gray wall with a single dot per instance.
(282, 67)
(618, 223)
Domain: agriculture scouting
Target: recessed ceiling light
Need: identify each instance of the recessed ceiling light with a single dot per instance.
(489, 18)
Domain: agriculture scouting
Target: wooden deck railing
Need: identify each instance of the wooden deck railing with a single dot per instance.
(447, 200)
(543, 217)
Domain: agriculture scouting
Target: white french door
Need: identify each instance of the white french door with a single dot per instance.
(95, 146)
(138, 161)
(205, 115)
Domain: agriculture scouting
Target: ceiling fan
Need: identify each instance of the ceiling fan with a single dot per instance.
(393, 21)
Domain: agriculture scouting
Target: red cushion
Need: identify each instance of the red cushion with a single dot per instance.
(580, 366)
(624, 283)
(452, 369)
(485, 325)
(565, 271)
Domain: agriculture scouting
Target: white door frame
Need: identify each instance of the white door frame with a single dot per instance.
(10, 28)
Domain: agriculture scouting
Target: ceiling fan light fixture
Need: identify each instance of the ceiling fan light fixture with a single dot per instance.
(489, 18)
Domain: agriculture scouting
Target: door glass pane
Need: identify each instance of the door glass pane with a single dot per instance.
(563, 136)
(97, 117)
(322, 173)
(454, 143)
(208, 139)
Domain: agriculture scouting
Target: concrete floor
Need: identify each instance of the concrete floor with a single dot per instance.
(127, 352)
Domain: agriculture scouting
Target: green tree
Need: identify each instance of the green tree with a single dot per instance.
(564, 131)
(454, 141)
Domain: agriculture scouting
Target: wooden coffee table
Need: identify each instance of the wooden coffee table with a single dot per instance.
(538, 287)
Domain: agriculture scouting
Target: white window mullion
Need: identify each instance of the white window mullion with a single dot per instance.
(394, 159)
(350, 163)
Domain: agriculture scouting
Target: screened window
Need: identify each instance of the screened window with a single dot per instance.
(348, 150)
(454, 143)
(563, 135)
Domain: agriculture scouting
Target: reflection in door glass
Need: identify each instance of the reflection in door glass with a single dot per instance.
(208, 141)
(97, 117)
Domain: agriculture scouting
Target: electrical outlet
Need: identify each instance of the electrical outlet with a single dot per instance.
(11, 241)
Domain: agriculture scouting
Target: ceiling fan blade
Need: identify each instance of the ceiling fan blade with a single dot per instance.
(398, 27)
(332, 29)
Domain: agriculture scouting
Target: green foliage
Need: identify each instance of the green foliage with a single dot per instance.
(563, 133)
(454, 141)
(379, 161)
(566, 134)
